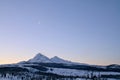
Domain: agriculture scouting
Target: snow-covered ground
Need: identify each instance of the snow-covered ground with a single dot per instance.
(74, 72)
(56, 79)
(10, 79)
(33, 66)
(28, 76)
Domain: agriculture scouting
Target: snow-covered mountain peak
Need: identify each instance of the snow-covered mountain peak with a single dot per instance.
(39, 55)
(56, 59)
(40, 58)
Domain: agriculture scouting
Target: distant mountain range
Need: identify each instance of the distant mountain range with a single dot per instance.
(40, 58)
(59, 66)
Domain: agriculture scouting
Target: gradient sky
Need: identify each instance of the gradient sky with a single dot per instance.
(86, 31)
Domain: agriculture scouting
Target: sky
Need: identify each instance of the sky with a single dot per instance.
(85, 31)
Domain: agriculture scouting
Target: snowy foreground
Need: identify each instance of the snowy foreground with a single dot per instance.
(43, 68)
(42, 77)
(14, 78)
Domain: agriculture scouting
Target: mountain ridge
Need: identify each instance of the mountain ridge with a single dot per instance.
(59, 66)
(59, 60)
(40, 58)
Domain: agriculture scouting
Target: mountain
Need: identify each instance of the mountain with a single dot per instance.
(57, 59)
(42, 65)
(39, 58)
(60, 60)
(113, 66)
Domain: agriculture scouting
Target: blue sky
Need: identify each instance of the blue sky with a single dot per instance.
(86, 31)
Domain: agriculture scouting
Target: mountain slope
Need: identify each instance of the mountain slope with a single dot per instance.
(60, 60)
(39, 58)
(42, 65)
